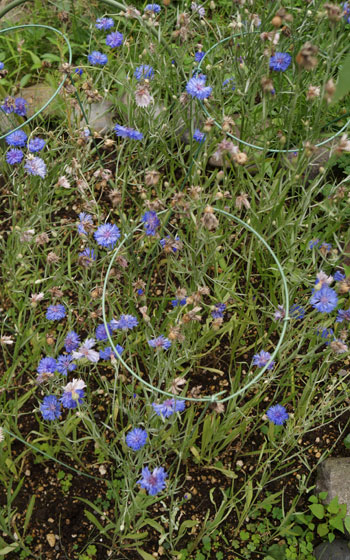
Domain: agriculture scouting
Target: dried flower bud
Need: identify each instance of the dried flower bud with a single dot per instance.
(242, 200)
(152, 178)
(313, 92)
(329, 90)
(306, 57)
(209, 220)
(334, 12)
(267, 84)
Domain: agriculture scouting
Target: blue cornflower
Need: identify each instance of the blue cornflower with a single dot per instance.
(127, 132)
(151, 221)
(155, 8)
(325, 300)
(87, 257)
(343, 315)
(218, 312)
(72, 341)
(153, 482)
(97, 58)
(17, 138)
(277, 414)
(79, 71)
(56, 312)
(136, 438)
(169, 244)
(176, 302)
(125, 323)
(14, 155)
(8, 105)
(21, 106)
(199, 136)
(346, 8)
(114, 39)
(35, 166)
(280, 61)
(65, 364)
(168, 407)
(313, 243)
(73, 393)
(196, 87)
(199, 56)
(107, 353)
(2, 65)
(104, 23)
(297, 312)
(262, 358)
(229, 81)
(107, 235)
(160, 342)
(36, 144)
(101, 333)
(50, 408)
(86, 223)
(47, 365)
(325, 333)
(144, 72)
(338, 276)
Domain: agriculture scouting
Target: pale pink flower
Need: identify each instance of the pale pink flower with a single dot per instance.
(85, 351)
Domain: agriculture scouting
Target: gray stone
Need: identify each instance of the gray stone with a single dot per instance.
(337, 550)
(100, 115)
(333, 476)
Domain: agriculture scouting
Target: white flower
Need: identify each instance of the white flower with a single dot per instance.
(323, 279)
(142, 96)
(6, 339)
(85, 351)
(74, 386)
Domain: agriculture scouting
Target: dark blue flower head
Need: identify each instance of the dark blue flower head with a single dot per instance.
(262, 359)
(324, 300)
(218, 312)
(107, 235)
(280, 61)
(229, 81)
(169, 407)
(86, 223)
(196, 87)
(127, 132)
(56, 312)
(14, 155)
(21, 106)
(87, 257)
(101, 333)
(79, 71)
(65, 364)
(144, 72)
(277, 414)
(338, 276)
(155, 8)
(151, 222)
(297, 312)
(343, 315)
(47, 365)
(72, 341)
(160, 342)
(125, 323)
(104, 23)
(199, 136)
(153, 482)
(107, 353)
(114, 39)
(198, 56)
(36, 144)
(97, 58)
(136, 438)
(17, 138)
(50, 408)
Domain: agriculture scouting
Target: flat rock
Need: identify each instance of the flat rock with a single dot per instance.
(37, 95)
(337, 550)
(333, 476)
(100, 115)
